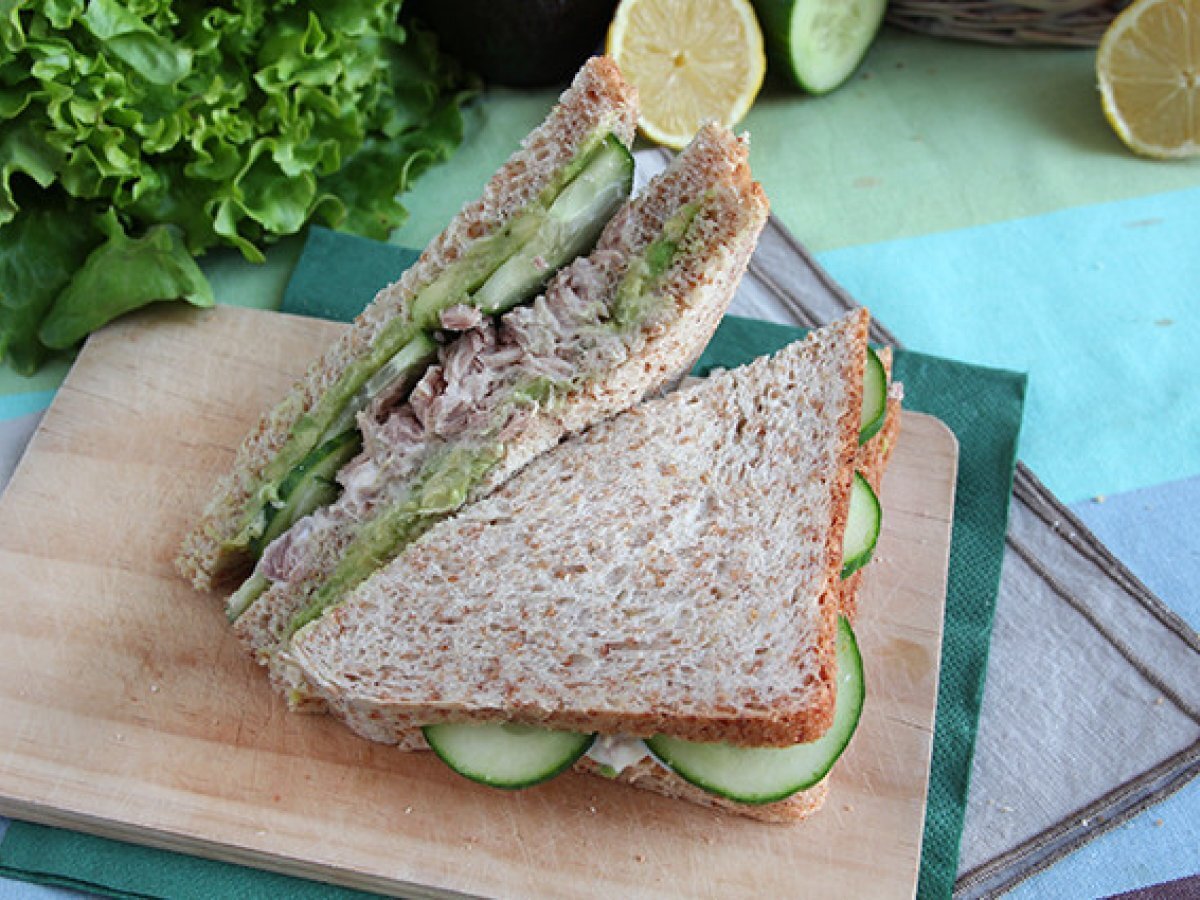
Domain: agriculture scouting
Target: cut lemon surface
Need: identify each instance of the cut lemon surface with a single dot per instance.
(692, 61)
(1148, 67)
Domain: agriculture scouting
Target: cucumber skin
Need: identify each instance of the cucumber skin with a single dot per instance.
(339, 449)
(509, 786)
(775, 17)
(854, 563)
(874, 364)
(845, 634)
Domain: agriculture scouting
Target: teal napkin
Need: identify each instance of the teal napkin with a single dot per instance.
(333, 278)
(983, 409)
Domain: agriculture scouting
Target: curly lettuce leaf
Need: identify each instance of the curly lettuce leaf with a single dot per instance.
(23, 152)
(30, 282)
(235, 124)
(121, 275)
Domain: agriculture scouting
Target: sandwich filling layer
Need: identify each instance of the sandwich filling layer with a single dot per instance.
(424, 453)
(498, 271)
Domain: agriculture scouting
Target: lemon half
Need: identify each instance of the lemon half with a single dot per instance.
(691, 60)
(1148, 67)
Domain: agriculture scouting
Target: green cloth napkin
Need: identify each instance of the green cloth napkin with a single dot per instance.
(983, 408)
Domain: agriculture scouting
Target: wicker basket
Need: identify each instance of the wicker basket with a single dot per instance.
(1071, 23)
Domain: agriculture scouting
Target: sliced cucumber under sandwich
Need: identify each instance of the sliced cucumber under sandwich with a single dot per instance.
(659, 599)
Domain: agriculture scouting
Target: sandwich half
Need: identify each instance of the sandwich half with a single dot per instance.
(659, 599)
(543, 208)
(491, 388)
(610, 328)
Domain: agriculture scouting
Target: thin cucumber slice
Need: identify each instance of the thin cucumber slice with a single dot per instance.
(874, 402)
(465, 276)
(307, 487)
(819, 42)
(506, 755)
(572, 225)
(243, 598)
(757, 775)
(862, 526)
(400, 372)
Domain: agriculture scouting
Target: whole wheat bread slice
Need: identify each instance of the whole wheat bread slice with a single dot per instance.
(697, 288)
(871, 460)
(599, 99)
(672, 570)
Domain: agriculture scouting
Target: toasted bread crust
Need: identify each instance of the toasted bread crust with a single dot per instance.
(598, 98)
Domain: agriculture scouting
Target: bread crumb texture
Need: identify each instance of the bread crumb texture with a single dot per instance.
(670, 570)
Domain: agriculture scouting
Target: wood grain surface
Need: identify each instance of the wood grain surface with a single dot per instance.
(128, 710)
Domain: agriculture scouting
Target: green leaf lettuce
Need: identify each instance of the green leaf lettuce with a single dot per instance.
(137, 134)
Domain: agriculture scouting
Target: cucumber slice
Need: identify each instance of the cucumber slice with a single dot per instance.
(405, 368)
(307, 486)
(874, 402)
(759, 775)
(572, 225)
(862, 526)
(243, 598)
(506, 755)
(820, 42)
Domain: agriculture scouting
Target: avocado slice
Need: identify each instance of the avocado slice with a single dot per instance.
(561, 223)
(636, 298)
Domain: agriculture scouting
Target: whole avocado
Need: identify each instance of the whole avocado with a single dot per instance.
(519, 43)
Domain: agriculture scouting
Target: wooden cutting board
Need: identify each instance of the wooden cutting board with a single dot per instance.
(128, 710)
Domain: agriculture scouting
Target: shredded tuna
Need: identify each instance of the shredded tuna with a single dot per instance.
(287, 553)
(461, 317)
(470, 397)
